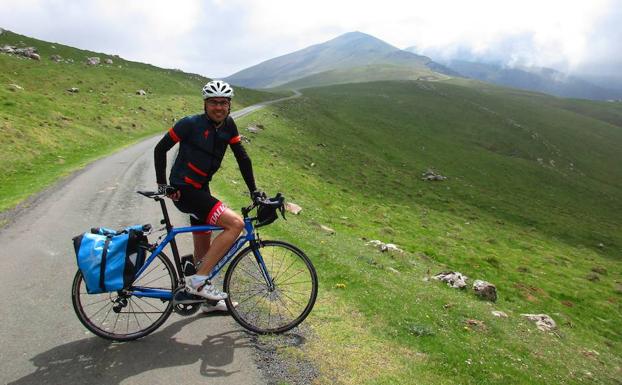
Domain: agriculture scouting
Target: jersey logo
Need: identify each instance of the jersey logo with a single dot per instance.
(206, 134)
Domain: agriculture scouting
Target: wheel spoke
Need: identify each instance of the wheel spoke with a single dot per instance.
(148, 303)
(291, 283)
(135, 316)
(295, 275)
(96, 302)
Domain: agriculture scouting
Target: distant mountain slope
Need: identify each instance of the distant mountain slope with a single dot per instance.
(351, 50)
(537, 79)
(368, 73)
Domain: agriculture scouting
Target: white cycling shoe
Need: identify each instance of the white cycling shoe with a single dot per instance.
(219, 306)
(203, 288)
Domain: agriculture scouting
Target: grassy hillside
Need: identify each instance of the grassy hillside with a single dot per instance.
(534, 188)
(48, 131)
(364, 74)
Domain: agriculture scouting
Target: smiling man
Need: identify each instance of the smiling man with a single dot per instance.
(203, 140)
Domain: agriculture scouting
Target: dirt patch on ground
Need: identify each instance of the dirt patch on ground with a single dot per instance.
(282, 358)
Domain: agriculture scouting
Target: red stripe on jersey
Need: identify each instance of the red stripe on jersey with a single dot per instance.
(235, 139)
(192, 182)
(173, 135)
(196, 169)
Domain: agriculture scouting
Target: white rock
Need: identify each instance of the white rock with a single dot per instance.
(254, 129)
(141, 92)
(93, 61)
(293, 208)
(15, 87)
(391, 247)
(454, 279)
(108, 61)
(543, 321)
(500, 314)
(327, 229)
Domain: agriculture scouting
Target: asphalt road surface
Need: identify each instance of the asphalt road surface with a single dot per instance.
(41, 339)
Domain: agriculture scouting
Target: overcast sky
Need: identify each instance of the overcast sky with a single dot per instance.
(219, 37)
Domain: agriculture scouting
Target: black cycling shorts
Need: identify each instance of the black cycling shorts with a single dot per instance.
(200, 204)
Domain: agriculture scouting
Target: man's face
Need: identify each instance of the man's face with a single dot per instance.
(217, 109)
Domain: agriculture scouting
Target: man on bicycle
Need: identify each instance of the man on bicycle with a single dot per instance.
(203, 141)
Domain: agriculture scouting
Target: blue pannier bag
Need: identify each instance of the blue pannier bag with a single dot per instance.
(109, 259)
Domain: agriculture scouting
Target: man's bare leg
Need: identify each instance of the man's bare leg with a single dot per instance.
(233, 224)
(201, 246)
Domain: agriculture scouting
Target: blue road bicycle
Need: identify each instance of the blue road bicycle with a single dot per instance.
(273, 284)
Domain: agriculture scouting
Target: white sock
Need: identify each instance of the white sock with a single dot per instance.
(197, 280)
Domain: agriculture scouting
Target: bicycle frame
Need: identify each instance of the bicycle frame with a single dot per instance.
(172, 232)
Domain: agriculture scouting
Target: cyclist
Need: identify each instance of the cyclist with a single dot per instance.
(203, 141)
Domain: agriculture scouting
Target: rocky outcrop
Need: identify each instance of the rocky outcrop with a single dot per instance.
(485, 290)
(454, 279)
(432, 175)
(108, 61)
(255, 129)
(499, 313)
(93, 61)
(327, 229)
(385, 247)
(28, 52)
(543, 321)
(293, 208)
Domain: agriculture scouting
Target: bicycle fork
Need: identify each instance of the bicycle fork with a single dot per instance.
(262, 266)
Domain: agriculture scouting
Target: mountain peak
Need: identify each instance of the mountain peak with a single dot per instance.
(359, 38)
(350, 50)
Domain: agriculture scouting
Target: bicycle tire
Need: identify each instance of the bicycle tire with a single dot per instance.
(159, 274)
(245, 285)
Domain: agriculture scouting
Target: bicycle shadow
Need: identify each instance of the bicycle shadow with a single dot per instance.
(95, 360)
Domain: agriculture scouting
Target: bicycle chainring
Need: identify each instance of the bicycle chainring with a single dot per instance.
(184, 309)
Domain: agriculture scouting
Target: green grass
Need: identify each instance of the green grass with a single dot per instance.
(48, 132)
(352, 159)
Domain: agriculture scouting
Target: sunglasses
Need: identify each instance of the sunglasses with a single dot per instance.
(214, 103)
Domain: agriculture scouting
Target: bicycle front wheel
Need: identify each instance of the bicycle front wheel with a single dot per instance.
(275, 304)
(125, 317)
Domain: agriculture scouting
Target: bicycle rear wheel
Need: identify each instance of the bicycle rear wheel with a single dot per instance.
(278, 305)
(124, 317)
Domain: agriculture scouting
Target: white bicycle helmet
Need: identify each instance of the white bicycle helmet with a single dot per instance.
(217, 89)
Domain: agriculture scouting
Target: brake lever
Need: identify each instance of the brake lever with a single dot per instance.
(282, 210)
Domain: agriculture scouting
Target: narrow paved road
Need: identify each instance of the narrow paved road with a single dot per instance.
(42, 340)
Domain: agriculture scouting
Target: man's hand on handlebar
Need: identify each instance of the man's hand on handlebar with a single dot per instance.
(170, 191)
(257, 196)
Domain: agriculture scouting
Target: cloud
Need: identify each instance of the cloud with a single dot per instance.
(219, 37)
